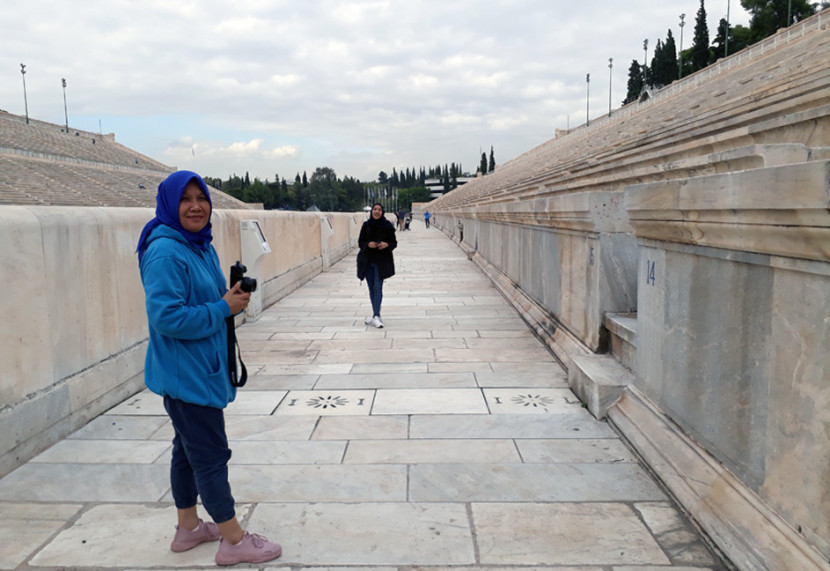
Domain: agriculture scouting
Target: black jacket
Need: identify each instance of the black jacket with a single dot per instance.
(376, 231)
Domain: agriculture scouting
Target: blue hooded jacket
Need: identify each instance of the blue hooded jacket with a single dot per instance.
(187, 356)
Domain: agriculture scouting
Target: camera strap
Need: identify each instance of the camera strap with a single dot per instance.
(234, 353)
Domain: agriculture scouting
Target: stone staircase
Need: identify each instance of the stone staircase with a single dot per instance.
(599, 379)
(739, 110)
(42, 164)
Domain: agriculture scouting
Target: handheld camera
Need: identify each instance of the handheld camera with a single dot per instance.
(238, 270)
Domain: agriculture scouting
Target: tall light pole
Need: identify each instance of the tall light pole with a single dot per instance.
(680, 55)
(65, 112)
(645, 60)
(25, 99)
(726, 32)
(588, 100)
(610, 78)
(789, 12)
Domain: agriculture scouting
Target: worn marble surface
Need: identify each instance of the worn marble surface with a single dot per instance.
(447, 440)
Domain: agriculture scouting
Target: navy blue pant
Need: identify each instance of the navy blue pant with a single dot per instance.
(375, 287)
(200, 459)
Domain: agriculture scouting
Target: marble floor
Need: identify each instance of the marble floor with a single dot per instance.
(447, 440)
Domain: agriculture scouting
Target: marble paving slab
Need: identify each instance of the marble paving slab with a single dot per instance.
(122, 427)
(531, 483)
(24, 527)
(431, 451)
(326, 402)
(104, 452)
(483, 426)
(675, 534)
(435, 401)
(280, 382)
(397, 380)
(255, 402)
(319, 483)
(361, 428)
(538, 354)
(38, 482)
(368, 534)
(96, 540)
(562, 450)
(563, 534)
(281, 452)
(143, 403)
(531, 401)
(389, 368)
(488, 379)
(269, 427)
(314, 369)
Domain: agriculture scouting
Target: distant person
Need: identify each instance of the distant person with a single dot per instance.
(401, 216)
(375, 261)
(187, 364)
(427, 216)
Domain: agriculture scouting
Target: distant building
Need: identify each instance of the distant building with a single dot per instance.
(436, 185)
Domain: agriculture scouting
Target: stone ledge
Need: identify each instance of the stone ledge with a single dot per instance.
(598, 381)
(741, 525)
(561, 342)
(622, 329)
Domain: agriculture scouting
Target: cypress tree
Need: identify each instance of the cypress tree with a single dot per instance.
(700, 46)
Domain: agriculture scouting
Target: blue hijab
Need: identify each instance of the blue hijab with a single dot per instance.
(168, 198)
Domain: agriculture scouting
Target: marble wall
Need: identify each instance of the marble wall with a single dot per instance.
(732, 340)
(73, 337)
(711, 230)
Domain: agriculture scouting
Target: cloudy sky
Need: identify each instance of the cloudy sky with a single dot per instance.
(277, 87)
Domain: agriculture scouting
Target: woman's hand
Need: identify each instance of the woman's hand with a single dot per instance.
(236, 298)
(373, 244)
(382, 245)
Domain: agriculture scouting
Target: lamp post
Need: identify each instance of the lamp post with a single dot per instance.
(588, 100)
(65, 112)
(726, 32)
(645, 66)
(680, 55)
(25, 99)
(610, 78)
(789, 12)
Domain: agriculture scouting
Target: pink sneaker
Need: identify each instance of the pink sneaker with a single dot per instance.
(184, 539)
(252, 549)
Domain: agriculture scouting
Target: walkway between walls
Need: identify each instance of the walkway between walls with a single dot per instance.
(447, 439)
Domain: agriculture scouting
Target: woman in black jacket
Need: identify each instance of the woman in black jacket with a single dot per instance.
(375, 262)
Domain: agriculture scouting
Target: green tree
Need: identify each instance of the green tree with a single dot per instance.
(492, 166)
(767, 16)
(482, 167)
(664, 62)
(635, 82)
(700, 44)
(324, 189)
(739, 38)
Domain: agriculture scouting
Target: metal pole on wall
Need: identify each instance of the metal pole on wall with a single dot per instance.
(726, 33)
(680, 54)
(588, 100)
(610, 79)
(25, 99)
(65, 112)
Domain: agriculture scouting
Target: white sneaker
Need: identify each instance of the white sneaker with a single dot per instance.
(368, 320)
(377, 322)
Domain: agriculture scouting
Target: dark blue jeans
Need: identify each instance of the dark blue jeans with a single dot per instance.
(375, 287)
(200, 459)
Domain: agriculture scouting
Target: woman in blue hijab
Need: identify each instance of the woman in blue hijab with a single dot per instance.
(187, 364)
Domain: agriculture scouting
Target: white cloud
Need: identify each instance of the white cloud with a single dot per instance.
(355, 85)
(284, 151)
